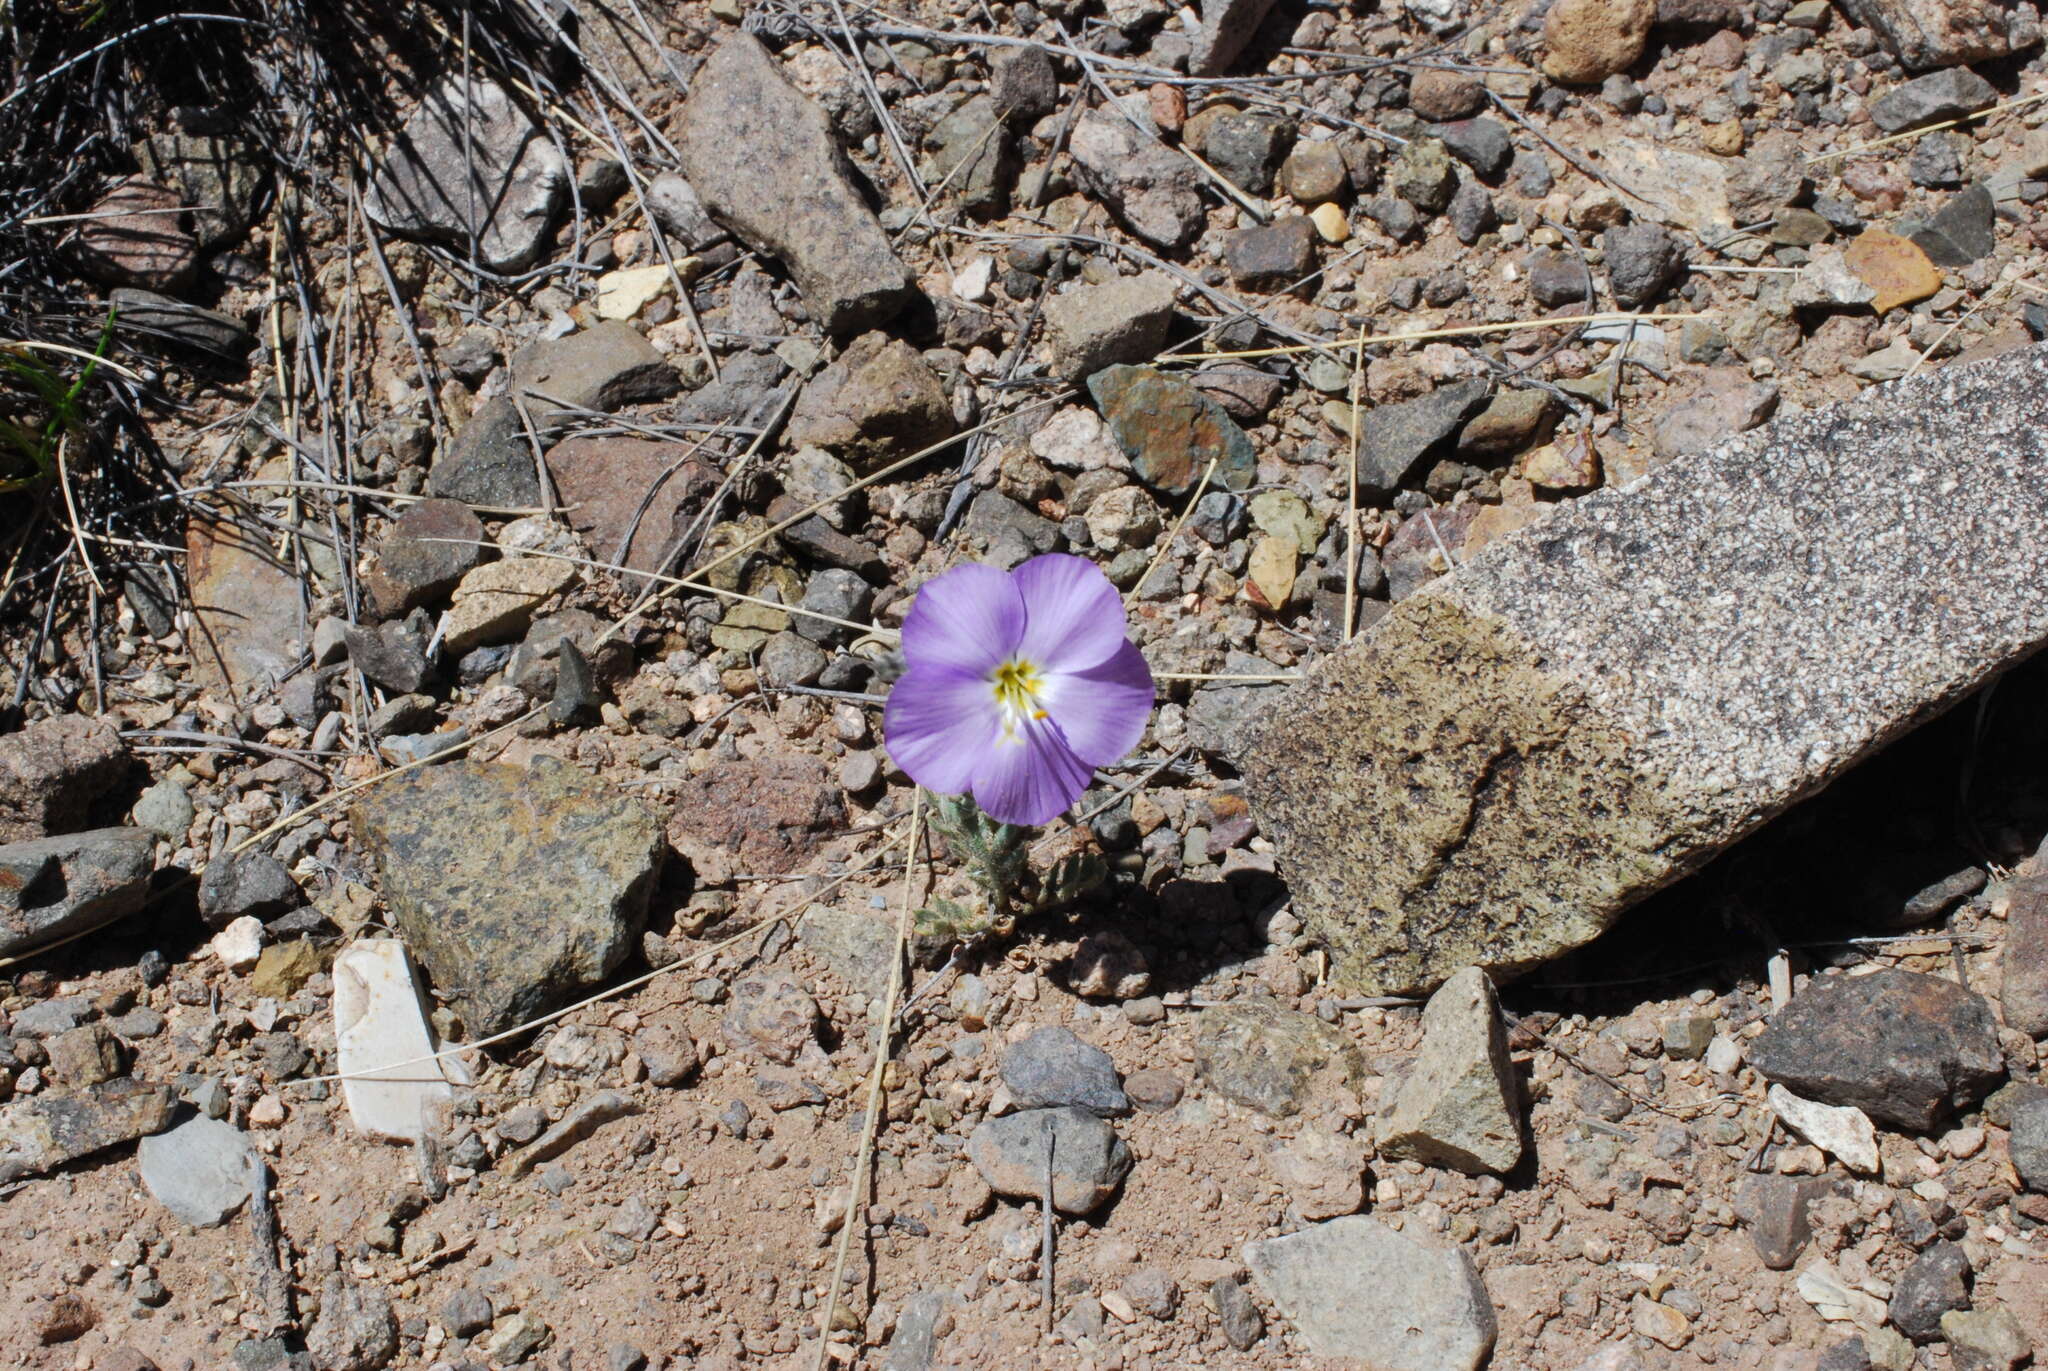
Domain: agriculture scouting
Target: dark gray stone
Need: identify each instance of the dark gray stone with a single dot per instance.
(251, 883)
(1089, 1160)
(43, 1132)
(1962, 231)
(1247, 149)
(1481, 144)
(1051, 1067)
(1242, 1323)
(1904, 1048)
(1557, 278)
(515, 888)
(1272, 257)
(1156, 192)
(1023, 83)
(53, 887)
(387, 655)
(974, 157)
(1394, 438)
(1940, 33)
(468, 1311)
(1630, 647)
(1471, 216)
(916, 1339)
(1937, 161)
(1932, 99)
(158, 319)
(423, 554)
(355, 1329)
(1937, 1282)
(1642, 259)
(53, 770)
(767, 164)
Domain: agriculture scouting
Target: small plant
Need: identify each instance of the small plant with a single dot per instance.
(38, 407)
(1019, 685)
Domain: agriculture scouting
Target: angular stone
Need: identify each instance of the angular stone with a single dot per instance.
(381, 1034)
(515, 888)
(764, 815)
(248, 884)
(1841, 1131)
(2028, 1143)
(1357, 1289)
(411, 567)
(1985, 1339)
(1155, 191)
(1931, 99)
(2023, 962)
(1271, 1059)
(631, 499)
(1245, 147)
(1171, 431)
(495, 602)
(470, 167)
(1089, 1160)
(43, 1132)
(1481, 144)
(767, 165)
(1271, 257)
(1940, 33)
(1774, 1210)
(220, 175)
(974, 157)
(1051, 1068)
(1727, 404)
(53, 887)
(200, 1170)
(1227, 26)
(155, 320)
(1896, 268)
(1904, 1048)
(249, 620)
(1587, 709)
(355, 1329)
(1962, 231)
(1023, 83)
(1394, 438)
(1642, 259)
(1937, 1282)
(132, 236)
(51, 772)
(1123, 321)
(1460, 1105)
(877, 402)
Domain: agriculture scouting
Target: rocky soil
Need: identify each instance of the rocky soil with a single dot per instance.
(551, 474)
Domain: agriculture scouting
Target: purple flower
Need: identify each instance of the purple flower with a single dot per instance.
(1020, 684)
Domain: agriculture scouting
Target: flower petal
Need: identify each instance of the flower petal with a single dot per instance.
(938, 726)
(1030, 778)
(968, 619)
(1073, 616)
(1102, 711)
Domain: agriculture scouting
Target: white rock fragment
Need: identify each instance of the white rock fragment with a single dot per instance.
(1835, 1300)
(1724, 1055)
(382, 1035)
(1843, 1131)
(240, 943)
(972, 282)
(623, 294)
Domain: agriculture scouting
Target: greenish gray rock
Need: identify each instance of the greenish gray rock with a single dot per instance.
(973, 157)
(1589, 708)
(857, 948)
(1171, 431)
(516, 889)
(43, 1132)
(52, 887)
(1089, 1160)
(1357, 1289)
(1271, 1059)
(165, 809)
(1459, 1106)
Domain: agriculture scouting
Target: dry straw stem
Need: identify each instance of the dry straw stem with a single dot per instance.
(878, 1086)
(1455, 331)
(1875, 143)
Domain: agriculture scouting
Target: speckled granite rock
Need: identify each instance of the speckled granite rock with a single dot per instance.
(514, 888)
(1594, 706)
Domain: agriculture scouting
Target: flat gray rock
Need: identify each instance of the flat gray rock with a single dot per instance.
(199, 1170)
(1089, 1160)
(52, 887)
(763, 159)
(1594, 706)
(1154, 190)
(470, 165)
(1355, 1288)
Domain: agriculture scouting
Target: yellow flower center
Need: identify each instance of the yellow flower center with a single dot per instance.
(1017, 684)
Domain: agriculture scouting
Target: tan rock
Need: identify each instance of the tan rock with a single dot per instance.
(1570, 463)
(496, 602)
(1271, 571)
(1587, 41)
(1894, 267)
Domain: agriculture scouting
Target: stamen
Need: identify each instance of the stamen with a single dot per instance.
(1016, 684)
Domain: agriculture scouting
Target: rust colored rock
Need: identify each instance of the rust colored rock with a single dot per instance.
(765, 814)
(52, 771)
(1170, 430)
(632, 499)
(136, 237)
(1896, 268)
